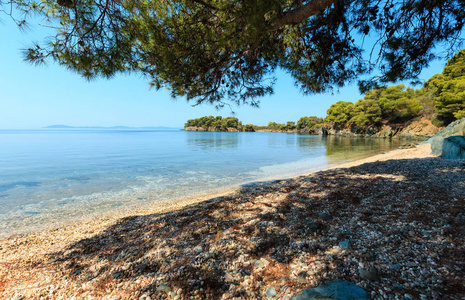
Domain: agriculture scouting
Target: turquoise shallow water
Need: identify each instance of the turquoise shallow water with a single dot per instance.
(49, 176)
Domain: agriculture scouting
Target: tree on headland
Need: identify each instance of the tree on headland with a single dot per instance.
(340, 112)
(309, 122)
(449, 89)
(213, 51)
(381, 104)
(216, 123)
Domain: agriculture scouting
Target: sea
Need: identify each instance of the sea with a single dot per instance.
(52, 176)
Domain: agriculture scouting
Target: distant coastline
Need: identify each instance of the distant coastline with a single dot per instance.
(419, 129)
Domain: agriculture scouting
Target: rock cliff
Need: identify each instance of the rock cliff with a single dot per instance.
(421, 129)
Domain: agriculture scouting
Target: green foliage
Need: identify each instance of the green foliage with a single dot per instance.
(309, 122)
(214, 51)
(218, 123)
(340, 112)
(398, 104)
(366, 112)
(290, 125)
(449, 89)
(274, 126)
(249, 128)
(391, 104)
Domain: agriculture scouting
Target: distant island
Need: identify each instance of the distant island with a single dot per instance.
(111, 127)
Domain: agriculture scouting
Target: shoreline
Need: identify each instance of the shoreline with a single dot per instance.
(118, 203)
(229, 239)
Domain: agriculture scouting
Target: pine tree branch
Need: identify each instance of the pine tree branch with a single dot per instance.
(299, 14)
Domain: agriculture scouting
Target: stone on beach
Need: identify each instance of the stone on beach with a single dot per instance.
(370, 274)
(456, 128)
(454, 147)
(337, 290)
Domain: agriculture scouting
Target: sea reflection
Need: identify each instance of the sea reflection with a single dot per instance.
(340, 149)
(206, 141)
(308, 143)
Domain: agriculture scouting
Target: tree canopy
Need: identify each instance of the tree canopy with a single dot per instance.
(382, 104)
(217, 51)
(449, 89)
(218, 123)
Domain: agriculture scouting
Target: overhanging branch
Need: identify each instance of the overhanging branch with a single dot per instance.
(297, 15)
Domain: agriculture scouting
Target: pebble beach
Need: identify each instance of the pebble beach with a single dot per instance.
(392, 224)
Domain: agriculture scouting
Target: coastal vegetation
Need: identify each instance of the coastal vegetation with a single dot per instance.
(218, 123)
(440, 101)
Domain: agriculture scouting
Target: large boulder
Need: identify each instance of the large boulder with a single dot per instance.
(454, 147)
(456, 128)
(337, 290)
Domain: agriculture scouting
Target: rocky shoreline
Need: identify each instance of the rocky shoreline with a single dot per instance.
(420, 130)
(393, 225)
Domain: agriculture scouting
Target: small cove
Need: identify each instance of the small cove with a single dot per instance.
(50, 176)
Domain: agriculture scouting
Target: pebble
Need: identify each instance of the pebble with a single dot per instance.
(259, 264)
(142, 267)
(342, 290)
(271, 291)
(324, 216)
(164, 288)
(337, 249)
(345, 244)
(302, 277)
(370, 274)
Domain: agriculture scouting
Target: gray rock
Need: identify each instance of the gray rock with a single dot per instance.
(164, 288)
(340, 290)
(453, 147)
(259, 264)
(345, 244)
(312, 226)
(453, 129)
(371, 274)
(142, 267)
(324, 216)
(271, 291)
(408, 297)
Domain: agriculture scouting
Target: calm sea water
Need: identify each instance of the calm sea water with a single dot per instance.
(47, 176)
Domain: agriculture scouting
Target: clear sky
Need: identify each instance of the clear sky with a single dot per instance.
(37, 96)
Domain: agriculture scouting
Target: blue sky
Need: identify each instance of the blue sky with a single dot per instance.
(37, 96)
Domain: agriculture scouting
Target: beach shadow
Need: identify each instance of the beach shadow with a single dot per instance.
(212, 247)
